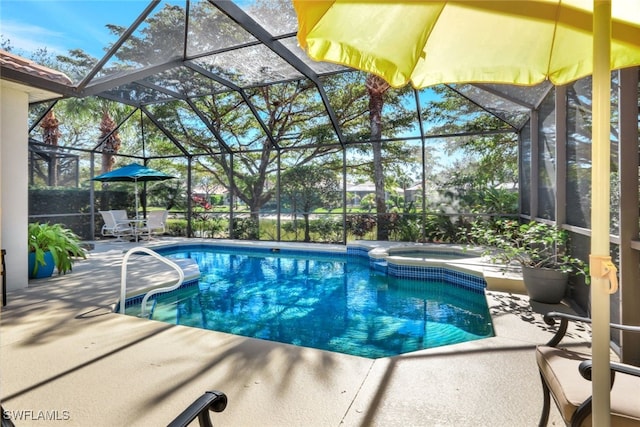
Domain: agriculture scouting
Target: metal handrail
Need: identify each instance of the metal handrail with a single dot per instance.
(123, 278)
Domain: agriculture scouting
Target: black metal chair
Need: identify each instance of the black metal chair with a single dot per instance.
(215, 401)
(3, 252)
(566, 376)
(6, 418)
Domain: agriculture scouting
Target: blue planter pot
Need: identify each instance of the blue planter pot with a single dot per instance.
(45, 270)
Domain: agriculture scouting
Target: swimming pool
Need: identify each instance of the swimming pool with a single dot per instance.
(328, 301)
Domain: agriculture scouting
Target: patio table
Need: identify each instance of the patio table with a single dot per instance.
(137, 224)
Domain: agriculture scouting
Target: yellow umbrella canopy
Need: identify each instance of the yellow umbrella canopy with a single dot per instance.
(431, 42)
(521, 42)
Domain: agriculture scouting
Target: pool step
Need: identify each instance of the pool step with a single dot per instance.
(378, 264)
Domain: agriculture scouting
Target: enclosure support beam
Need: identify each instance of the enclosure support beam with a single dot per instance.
(344, 196)
(534, 172)
(279, 195)
(92, 195)
(189, 192)
(629, 202)
(423, 175)
(561, 156)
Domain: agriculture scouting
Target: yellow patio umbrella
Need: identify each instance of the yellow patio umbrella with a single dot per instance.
(521, 42)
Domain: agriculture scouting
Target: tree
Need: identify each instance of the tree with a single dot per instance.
(50, 135)
(109, 141)
(376, 87)
(357, 109)
(482, 161)
(308, 187)
(290, 112)
(287, 121)
(243, 147)
(76, 65)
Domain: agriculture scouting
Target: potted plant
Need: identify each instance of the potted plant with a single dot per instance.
(540, 249)
(52, 246)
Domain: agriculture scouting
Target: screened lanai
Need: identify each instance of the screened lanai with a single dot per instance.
(220, 95)
(221, 85)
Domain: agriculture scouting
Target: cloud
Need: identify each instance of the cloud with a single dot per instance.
(29, 38)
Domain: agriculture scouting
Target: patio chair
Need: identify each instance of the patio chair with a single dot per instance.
(155, 224)
(116, 227)
(3, 252)
(6, 418)
(210, 401)
(120, 216)
(566, 376)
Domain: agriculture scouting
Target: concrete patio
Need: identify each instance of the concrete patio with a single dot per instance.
(66, 358)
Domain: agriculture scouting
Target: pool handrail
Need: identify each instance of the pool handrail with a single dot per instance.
(123, 278)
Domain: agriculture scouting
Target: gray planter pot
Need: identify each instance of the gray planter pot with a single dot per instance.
(544, 284)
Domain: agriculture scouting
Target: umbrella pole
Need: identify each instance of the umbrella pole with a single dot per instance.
(136, 193)
(135, 216)
(600, 201)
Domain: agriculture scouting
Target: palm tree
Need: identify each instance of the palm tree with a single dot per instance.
(376, 87)
(110, 141)
(50, 135)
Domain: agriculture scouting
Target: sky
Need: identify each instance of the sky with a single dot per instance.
(60, 25)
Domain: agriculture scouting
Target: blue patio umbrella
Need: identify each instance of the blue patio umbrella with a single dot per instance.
(135, 173)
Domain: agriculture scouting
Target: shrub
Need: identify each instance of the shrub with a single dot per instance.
(359, 225)
(63, 244)
(532, 244)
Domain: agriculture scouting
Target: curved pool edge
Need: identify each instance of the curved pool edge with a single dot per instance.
(495, 278)
(250, 244)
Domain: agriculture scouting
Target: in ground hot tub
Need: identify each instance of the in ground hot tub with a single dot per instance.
(424, 261)
(441, 261)
(431, 253)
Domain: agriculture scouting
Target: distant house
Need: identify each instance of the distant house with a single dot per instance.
(356, 192)
(205, 192)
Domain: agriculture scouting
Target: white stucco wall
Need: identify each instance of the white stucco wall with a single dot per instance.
(14, 208)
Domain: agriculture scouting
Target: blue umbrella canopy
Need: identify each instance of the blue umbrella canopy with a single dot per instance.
(135, 173)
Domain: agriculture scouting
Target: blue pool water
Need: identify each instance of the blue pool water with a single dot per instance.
(326, 301)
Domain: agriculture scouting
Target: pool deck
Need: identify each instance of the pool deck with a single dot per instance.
(63, 351)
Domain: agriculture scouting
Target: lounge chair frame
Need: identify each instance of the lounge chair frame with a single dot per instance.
(214, 401)
(155, 224)
(583, 411)
(115, 225)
